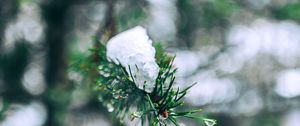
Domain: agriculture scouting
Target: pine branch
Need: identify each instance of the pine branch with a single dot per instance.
(118, 91)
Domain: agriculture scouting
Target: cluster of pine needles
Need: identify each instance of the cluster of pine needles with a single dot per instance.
(118, 92)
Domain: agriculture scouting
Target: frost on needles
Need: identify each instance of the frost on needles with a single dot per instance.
(136, 80)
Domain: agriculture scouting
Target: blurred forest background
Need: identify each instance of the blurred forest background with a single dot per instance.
(244, 54)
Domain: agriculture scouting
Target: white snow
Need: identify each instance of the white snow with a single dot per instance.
(133, 48)
(291, 118)
(288, 83)
(161, 22)
(211, 89)
(188, 61)
(28, 26)
(263, 36)
(33, 114)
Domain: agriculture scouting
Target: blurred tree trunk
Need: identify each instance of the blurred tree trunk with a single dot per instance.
(57, 96)
(187, 23)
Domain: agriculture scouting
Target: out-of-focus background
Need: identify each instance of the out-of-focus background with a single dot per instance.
(244, 54)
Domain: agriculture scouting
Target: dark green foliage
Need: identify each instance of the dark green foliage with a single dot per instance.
(135, 14)
(217, 13)
(12, 67)
(267, 119)
(289, 11)
(196, 14)
(3, 110)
